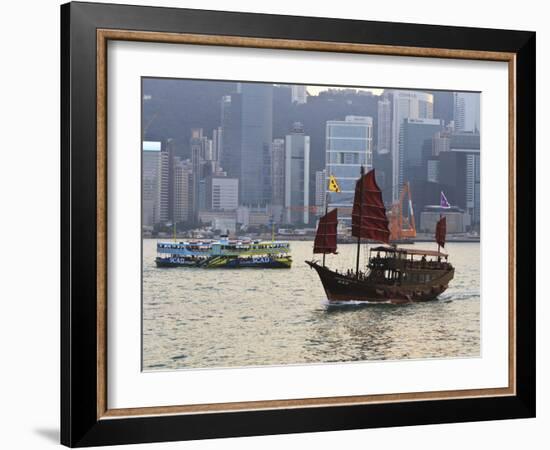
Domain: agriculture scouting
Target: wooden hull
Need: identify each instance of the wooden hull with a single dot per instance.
(340, 287)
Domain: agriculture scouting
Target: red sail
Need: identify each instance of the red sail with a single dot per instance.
(441, 231)
(325, 239)
(368, 217)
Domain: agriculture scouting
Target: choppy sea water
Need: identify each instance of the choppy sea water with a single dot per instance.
(206, 318)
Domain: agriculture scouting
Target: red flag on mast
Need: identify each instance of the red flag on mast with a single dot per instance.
(441, 231)
(325, 239)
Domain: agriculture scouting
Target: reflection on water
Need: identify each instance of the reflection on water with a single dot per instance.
(224, 318)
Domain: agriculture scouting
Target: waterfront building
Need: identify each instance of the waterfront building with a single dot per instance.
(297, 175)
(348, 147)
(458, 221)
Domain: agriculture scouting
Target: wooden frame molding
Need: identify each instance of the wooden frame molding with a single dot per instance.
(103, 36)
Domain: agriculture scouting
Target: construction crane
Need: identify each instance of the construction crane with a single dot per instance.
(402, 228)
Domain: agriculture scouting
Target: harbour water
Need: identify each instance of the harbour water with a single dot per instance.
(208, 318)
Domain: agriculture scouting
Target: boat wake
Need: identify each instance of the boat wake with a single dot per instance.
(462, 295)
(334, 303)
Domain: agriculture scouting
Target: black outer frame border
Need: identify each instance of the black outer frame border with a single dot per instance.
(79, 425)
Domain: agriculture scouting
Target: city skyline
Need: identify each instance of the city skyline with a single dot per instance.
(258, 153)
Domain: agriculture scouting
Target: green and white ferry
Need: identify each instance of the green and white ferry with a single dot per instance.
(224, 254)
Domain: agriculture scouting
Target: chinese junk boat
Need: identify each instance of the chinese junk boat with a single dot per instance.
(393, 274)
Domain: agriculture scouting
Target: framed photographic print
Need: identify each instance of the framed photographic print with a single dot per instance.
(277, 224)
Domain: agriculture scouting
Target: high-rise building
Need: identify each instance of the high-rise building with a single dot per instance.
(460, 173)
(441, 142)
(247, 118)
(406, 105)
(299, 94)
(200, 153)
(149, 184)
(320, 191)
(230, 157)
(256, 135)
(443, 106)
(415, 148)
(467, 111)
(297, 175)
(348, 147)
(222, 193)
(432, 175)
(164, 195)
(278, 172)
(183, 190)
(217, 139)
(384, 126)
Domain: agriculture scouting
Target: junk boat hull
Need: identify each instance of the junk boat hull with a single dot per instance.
(341, 287)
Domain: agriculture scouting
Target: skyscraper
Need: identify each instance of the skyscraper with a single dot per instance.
(199, 155)
(415, 147)
(320, 191)
(278, 173)
(247, 117)
(217, 140)
(384, 126)
(467, 111)
(348, 147)
(299, 93)
(150, 180)
(406, 104)
(297, 175)
(256, 137)
(460, 173)
(164, 195)
(222, 193)
(230, 157)
(183, 190)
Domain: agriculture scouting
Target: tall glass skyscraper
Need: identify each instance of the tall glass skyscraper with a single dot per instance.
(415, 148)
(256, 138)
(297, 176)
(348, 147)
(406, 105)
(247, 121)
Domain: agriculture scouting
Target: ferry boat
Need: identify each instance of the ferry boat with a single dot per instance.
(225, 253)
(393, 274)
